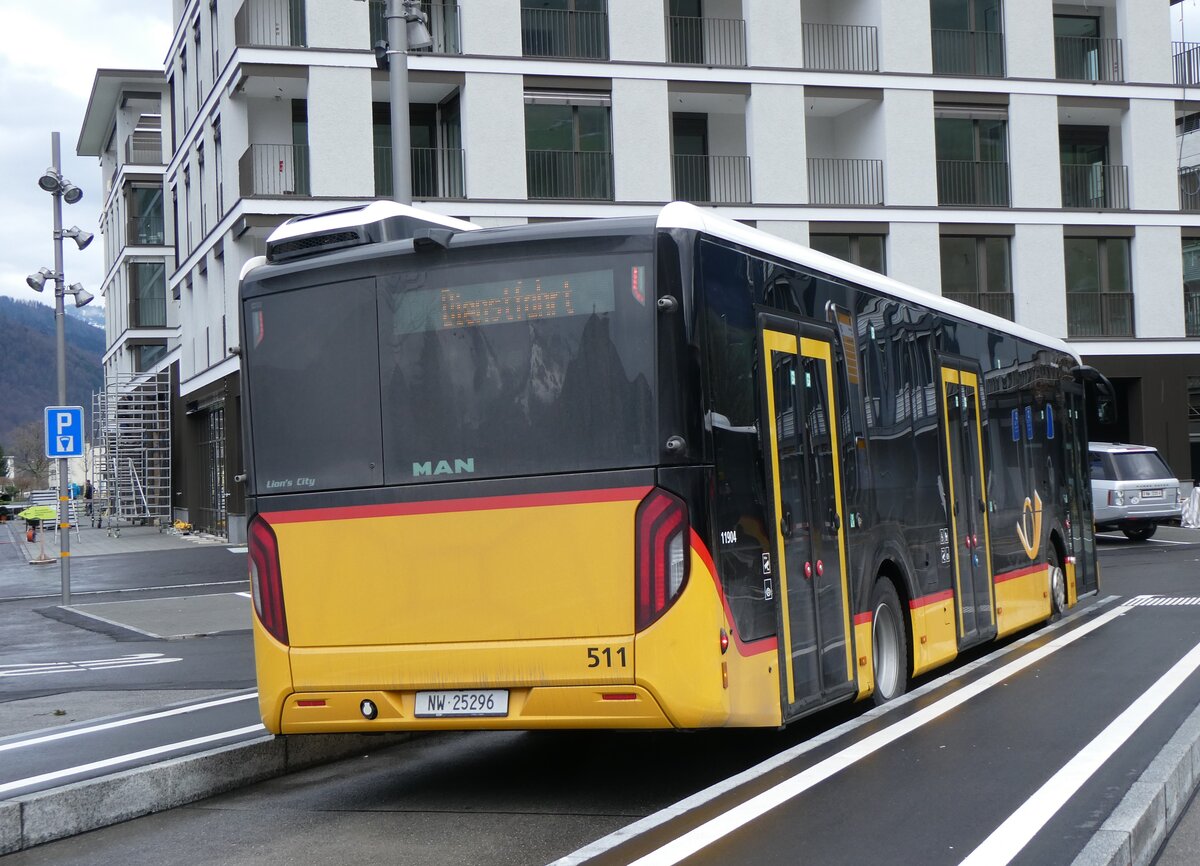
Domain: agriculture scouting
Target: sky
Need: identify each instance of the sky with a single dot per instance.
(49, 53)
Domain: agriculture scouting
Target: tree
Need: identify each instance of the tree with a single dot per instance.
(30, 464)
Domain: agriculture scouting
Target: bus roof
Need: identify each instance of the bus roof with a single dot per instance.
(687, 216)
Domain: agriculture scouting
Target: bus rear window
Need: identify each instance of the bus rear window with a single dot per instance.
(518, 360)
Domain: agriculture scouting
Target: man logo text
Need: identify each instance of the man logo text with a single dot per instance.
(442, 467)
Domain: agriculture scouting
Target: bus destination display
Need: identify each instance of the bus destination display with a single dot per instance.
(550, 296)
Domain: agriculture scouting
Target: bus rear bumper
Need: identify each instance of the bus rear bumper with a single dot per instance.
(559, 707)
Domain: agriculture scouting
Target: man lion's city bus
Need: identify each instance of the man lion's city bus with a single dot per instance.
(652, 472)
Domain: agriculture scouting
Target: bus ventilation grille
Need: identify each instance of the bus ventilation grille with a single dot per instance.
(294, 248)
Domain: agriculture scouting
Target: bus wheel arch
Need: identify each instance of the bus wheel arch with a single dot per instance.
(891, 643)
(1056, 576)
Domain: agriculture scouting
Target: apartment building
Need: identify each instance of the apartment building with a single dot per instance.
(1017, 155)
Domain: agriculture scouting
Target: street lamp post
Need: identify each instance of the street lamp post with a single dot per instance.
(60, 188)
(405, 29)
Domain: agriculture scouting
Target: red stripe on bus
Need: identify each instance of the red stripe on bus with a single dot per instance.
(449, 506)
(863, 618)
(1020, 572)
(926, 600)
(756, 647)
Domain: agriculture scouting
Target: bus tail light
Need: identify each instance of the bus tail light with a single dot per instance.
(661, 553)
(266, 582)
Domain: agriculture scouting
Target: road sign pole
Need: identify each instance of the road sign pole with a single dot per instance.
(60, 286)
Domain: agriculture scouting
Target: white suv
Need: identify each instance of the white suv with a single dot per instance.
(1133, 489)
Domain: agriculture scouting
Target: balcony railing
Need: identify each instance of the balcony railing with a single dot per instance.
(997, 303)
(706, 41)
(563, 33)
(1191, 313)
(841, 48)
(1088, 58)
(1095, 187)
(148, 312)
(270, 23)
(1099, 314)
(845, 181)
(1189, 189)
(146, 230)
(714, 179)
(1185, 59)
(972, 183)
(444, 26)
(274, 169)
(569, 174)
(146, 149)
(437, 172)
(968, 52)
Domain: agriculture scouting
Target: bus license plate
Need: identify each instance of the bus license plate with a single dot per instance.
(463, 702)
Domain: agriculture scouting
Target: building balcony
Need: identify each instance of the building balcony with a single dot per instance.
(564, 33)
(569, 174)
(274, 169)
(1189, 189)
(144, 149)
(997, 303)
(444, 26)
(972, 183)
(1191, 313)
(437, 172)
(1099, 314)
(1085, 58)
(841, 48)
(1095, 187)
(145, 231)
(150, 312)
(968, 52)
(270, 24)
(845, 181)
(706, 41)
(1185, 61)
(711, 179)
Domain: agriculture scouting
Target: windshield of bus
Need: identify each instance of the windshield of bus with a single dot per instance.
(484, 362)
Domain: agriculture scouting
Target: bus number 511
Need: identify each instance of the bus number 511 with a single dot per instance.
(596, 655)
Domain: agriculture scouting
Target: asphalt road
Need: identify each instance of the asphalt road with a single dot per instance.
(925, 782)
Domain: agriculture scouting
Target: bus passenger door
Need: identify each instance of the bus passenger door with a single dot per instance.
(799, 400)
(974, 590)
(1079, 487)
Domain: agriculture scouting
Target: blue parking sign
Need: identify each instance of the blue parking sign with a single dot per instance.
(64, 431)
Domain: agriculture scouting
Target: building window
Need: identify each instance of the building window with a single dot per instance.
(968, 37)
(145, 357)
(216, 135)
(863, 250)
(564, 28)
(1079, 52)
(1099, 298)
(568, 145)
(146, 215)
(972, 156)
(147, 294)
(1191, 285)
(977, 271)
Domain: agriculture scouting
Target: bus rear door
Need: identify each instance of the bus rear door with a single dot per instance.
(800, 412)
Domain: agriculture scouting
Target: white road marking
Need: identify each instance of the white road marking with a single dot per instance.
(121, 723)
(722, 788)
(7, 787)
(238, 549)
(244, 594)
(75, 594)
(1147, 541)
(30, 669)
(1007, 840)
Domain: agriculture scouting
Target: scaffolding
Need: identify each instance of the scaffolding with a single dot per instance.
(131, 451)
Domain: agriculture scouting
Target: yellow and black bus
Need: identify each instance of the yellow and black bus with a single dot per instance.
(653, 472)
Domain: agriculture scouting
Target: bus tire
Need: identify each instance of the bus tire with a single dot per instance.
(889, 643)
(1058, 585)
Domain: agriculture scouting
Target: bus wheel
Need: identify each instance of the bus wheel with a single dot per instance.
(1058, 587)
(889, 643)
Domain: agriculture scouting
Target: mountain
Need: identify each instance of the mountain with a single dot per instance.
(29, 381)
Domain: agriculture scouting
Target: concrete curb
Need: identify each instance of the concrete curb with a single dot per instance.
(1142, 820)
(44, 816)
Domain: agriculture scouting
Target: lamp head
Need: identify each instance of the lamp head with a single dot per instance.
(37, 281)
(81, 238)
(71, 193)
(82, 296)
(50, 180)
(417, 32)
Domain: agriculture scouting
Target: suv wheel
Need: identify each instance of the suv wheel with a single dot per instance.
(1141, 533)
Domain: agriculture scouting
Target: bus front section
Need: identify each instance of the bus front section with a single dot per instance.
(472, 505)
